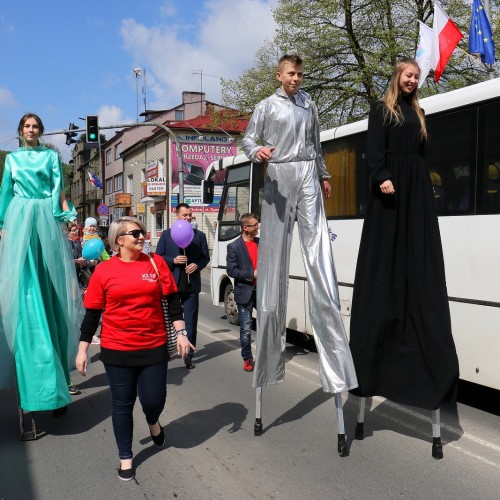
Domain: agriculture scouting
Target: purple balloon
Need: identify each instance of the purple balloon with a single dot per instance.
(182, 233)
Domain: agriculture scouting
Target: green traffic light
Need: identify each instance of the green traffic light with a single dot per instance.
(93, 137)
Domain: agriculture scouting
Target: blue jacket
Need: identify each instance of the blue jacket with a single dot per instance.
(196, 252)
(239, 267)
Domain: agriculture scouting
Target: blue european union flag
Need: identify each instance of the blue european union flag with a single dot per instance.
(480, 37)
(97, 181)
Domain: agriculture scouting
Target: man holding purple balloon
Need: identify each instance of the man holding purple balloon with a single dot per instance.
(185, 250)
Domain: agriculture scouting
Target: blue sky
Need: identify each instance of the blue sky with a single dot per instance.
(64, 60)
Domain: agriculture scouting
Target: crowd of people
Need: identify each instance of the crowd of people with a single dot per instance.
(400, 347)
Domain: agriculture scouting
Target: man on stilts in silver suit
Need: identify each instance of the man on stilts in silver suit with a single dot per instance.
(284, 132)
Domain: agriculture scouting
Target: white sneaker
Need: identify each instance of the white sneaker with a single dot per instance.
(96, 340)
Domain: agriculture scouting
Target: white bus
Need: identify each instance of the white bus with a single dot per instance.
(463, 153)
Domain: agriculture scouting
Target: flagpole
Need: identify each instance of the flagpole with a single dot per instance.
(475, 59)
(491, 69)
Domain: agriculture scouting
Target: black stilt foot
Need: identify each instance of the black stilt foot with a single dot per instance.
(342, 446)
(359, 431)
(437, 448)
(33, 433)
(257, 429)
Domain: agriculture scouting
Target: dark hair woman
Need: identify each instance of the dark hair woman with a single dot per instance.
(39, 298)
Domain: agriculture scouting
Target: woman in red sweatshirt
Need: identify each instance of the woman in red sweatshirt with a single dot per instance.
(126, 291)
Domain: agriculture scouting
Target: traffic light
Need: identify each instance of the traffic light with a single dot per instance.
(207, 191)
(69, 135)
(92, 128)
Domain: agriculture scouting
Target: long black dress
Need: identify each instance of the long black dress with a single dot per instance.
(400, 334)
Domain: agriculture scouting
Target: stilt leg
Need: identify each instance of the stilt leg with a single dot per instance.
(257, 430)
(32, 434)
(342, 445)
(359, 432)
(437, 447)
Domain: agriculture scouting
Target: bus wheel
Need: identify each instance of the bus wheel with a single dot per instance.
(230, 306)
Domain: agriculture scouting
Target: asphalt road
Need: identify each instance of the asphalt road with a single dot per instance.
(211, 452)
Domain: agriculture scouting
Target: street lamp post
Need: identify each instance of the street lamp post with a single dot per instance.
(137, 74)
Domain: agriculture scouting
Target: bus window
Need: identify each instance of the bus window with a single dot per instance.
(489, 159)
(235, 202)
(450, 155)
(345, 162)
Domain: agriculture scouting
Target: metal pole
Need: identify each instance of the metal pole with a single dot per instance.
(167, 130)
(491, 69)
(136, 98)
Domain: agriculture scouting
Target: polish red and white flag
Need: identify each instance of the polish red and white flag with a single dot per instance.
(446, 38)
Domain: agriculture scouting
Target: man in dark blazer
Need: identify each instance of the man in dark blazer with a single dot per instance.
(186, 265)
(241, 260)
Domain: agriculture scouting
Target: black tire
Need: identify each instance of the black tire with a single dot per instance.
(230, 306)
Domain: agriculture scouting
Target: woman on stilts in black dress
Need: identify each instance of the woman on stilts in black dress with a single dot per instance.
(400, 334)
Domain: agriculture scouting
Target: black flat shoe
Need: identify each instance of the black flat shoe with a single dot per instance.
(126, 474)
(159, 439)
(189, 364)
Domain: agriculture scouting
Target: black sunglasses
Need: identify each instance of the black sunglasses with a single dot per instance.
(135, 233)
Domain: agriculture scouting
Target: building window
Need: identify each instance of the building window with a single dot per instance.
(118, 182)
(130, 184)
(108, 156)
(118, 150)
(179, 114)
(109, 185)
(159, 222)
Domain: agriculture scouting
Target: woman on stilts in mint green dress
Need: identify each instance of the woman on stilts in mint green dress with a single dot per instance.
(39, 299)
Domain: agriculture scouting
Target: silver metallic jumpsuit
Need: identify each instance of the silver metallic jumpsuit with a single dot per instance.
(292, 190)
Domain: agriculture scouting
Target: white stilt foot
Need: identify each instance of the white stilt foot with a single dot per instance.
(437, 447)
(257, 430)
(359, 432)
(342, 444)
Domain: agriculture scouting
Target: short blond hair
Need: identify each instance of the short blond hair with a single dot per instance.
(118, 227)
(293, 59)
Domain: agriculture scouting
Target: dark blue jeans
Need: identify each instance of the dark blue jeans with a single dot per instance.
(245, 315)
(190, 305)
(125, 382)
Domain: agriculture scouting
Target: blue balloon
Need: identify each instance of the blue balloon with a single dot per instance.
(93, 249)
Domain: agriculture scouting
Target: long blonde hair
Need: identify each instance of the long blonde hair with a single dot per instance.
(392, 110)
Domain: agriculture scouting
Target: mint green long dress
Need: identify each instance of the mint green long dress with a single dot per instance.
(39, 295)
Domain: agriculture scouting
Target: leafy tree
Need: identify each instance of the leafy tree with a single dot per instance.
(3, 154)
(349, 48)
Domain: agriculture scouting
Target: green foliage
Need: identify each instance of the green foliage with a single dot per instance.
(68, 177)
(3, 154)
(349, 48)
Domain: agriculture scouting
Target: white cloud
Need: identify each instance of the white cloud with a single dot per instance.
(112, 115)
(223, 44)
(7, 98)
(168, 8)
(6, 26)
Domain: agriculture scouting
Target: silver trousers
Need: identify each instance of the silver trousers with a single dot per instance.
(292, 190)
